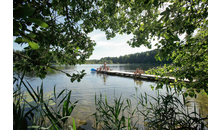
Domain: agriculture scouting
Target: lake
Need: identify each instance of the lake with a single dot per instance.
(93, 83)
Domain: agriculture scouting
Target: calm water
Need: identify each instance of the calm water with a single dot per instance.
(93, 83)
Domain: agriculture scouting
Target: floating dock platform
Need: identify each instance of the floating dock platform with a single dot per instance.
(142, 76)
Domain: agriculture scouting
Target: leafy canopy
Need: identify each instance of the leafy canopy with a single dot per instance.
(53, 28)
(167, 21)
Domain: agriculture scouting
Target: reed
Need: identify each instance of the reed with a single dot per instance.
(35, 115)
(116, 116)
(168, 112)
(165, 111)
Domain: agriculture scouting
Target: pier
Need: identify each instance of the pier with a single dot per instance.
(142, 76)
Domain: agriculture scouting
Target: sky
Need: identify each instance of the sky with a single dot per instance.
(114, 47)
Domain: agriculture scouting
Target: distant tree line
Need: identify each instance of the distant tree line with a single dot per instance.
(147, 57)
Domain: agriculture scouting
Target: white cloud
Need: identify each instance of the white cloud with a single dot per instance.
(97, 35)
(114, 47)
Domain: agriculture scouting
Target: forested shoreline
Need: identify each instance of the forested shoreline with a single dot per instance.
(147, 57)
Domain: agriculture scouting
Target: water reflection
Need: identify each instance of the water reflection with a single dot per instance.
(138, 82)
(104, 77)
(93, 72)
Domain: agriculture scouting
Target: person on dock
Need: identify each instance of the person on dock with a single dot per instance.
(141, 71)
(104, 68)
(137, 72)
(108, 68)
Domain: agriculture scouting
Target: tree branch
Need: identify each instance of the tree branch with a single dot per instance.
(38, 62)
(25, 57)
(58, 70)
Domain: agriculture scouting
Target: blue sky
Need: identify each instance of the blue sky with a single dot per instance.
(114, 47)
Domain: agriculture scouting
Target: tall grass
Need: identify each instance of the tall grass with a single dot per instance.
(114, 116)
(36, 114)
(165, 111)
(168, 112)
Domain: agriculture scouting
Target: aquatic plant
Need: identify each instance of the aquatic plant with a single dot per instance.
(37, 114)
(168, 112)
(116, 116)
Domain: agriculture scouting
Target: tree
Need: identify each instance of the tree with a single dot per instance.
(132, 58)
(166, 21)
(53, 29)
(109, 62)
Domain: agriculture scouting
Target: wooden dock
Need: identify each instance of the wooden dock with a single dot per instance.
(142, 76)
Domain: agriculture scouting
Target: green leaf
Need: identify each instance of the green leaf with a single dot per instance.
(38, 22)
(155, 2)
(166, 36)
(33, 45)
(74, 124)
(198, 90)
(142, 27)
(30, 93)
(72, 79)
(54, 92)
(106, 99)
(22, 12)
(62, 100)
(31, 35)
(70, 110)
(68, 99)
(51, 117)
(60, 93)
(19, 40)
(152, 87)
(46, 12)
(163, 13)
(183, 9)
(68, 75)
(77, 49)
(191, 94)
(167, 18)
(26, 39)
(65, 108)
(185, 94)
